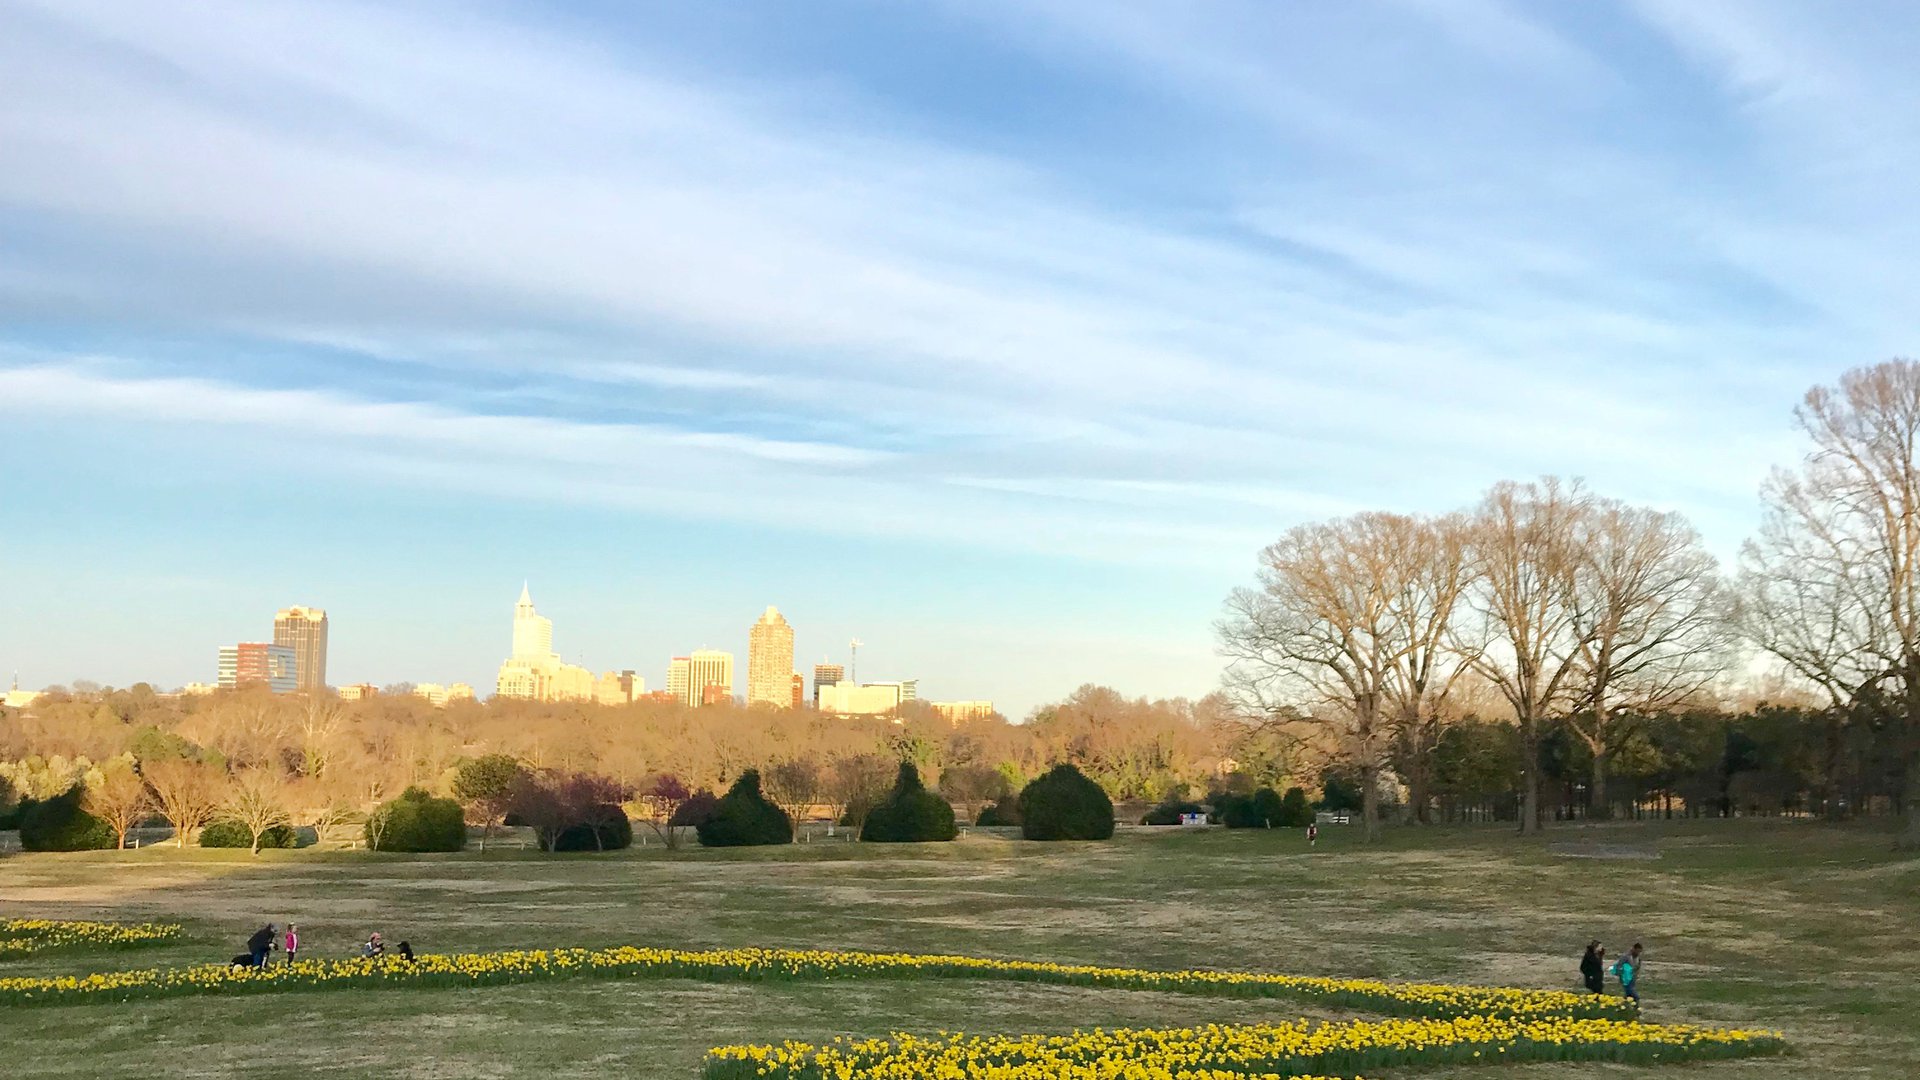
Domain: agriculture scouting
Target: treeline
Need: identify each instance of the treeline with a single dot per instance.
(323, 761)
(1579, 645)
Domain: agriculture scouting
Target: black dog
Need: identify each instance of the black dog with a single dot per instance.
(243, 960)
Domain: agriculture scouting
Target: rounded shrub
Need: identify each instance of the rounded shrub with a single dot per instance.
(616, 832)
(1258, 810)
(59, 824)
(1169, 813)
(1065, 805)
(231, 833)
(1003, 813)
(910, 814)
(744, 817)
(416, 821)
(1295, 810)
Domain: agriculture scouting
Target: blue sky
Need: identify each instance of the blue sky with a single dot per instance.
(1000, 335)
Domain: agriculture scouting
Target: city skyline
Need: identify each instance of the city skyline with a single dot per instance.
(534, 670)
(1001, 336)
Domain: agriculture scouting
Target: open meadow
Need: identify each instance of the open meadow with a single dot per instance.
(1790, 925)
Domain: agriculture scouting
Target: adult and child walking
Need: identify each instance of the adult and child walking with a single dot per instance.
(265, 940)
(1593, 969)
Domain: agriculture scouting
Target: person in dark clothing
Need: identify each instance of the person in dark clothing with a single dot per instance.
(260, 944)
(406, 952)
(1593, 968)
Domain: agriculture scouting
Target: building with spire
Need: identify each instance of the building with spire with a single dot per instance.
(535, 671)
(770, 661)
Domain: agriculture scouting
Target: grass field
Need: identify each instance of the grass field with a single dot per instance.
(1794, 925)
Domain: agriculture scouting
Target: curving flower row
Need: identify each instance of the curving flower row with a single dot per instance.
(21, 936)
(1220, 1052)
(1400, 999)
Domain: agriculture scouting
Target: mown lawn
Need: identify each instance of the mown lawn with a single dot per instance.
(1794, 925)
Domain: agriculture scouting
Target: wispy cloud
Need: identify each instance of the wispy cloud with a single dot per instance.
(1414, 250)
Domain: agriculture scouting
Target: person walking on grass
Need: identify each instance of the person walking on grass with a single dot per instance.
(261, 944)
(1313, 833)
(1628, 969)
(1593, 967)
(292, 943)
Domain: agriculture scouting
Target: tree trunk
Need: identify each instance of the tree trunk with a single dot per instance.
(1909, 804)
(1530, 778)
(1597, 794)
(1370, 800)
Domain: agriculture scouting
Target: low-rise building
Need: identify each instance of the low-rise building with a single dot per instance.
(257, 663)
(955, 711)
(359, 692)
(864, 699)
(438, 695)
(618, 688)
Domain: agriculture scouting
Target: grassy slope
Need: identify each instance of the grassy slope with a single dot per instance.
(1791, 925)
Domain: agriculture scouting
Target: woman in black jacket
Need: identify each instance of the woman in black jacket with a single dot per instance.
(1593, 968)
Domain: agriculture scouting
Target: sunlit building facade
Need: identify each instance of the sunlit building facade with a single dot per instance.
(534, 671)
(770, 661)
(257, 663)
(304, 630)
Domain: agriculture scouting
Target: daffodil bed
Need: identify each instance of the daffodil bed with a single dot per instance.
(1435, 1024)
(1217, 1052)
(21, 936)
(717, 965)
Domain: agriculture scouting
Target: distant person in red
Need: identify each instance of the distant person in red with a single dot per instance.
(293, 942)
(1313, 833)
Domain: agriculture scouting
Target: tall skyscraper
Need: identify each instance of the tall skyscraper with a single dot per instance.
(534, 670)
(825, 674)
(532, 633)
(679, 675)
(304, 630)
(253, 663)
(770, 660)
(709, 668)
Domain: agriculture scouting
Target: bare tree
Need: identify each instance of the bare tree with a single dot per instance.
(662, 796)
(323, 801)
(1431, 575)
(1320, 634)
(795, 786)
(1832, 581)
(1526, 639)
(317, 725)
(855, 783)
(1650, 621)
(597, 802)
(257, 798)
(188, 792)
(120, 798)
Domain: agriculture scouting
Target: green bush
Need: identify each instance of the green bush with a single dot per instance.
(910, 814)
(1169, 813)
(1065, 805)
(616, 833)
(744, 818)
(59, 824)
(1262, 809)
(1295, 811)
(233, 834)
(1004, 812)
(416, 821)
